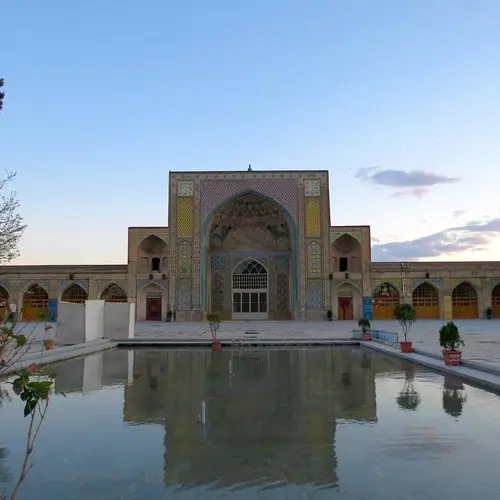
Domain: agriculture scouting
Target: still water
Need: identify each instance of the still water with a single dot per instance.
(243, 424)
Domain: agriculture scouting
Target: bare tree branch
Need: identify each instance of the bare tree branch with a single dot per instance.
(2, 94)
(11, 223)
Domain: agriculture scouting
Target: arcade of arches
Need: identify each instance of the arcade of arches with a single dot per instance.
(249, 256)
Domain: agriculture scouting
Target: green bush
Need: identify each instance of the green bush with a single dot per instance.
(449, 337)
(364, 324)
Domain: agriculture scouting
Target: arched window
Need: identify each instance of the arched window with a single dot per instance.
(425, 300)
(465, 302)
(495, 301)
(74, 293)
(250, 295)
(250, 274)
(4, 303)
(114, 293)
(385, 300)
(35, 303)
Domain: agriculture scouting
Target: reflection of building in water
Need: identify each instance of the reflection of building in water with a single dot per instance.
(270, 414)
(93, 372)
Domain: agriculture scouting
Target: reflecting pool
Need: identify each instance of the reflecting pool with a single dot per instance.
(316, 423)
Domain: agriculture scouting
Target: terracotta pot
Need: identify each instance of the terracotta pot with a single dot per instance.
(366, 336)
(406, 346)
(452, 358)
(49, 344)
(216, 345)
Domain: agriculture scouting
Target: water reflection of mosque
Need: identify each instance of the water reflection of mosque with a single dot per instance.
(270, 415)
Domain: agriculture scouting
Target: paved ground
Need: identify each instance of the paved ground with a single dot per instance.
(482, 337)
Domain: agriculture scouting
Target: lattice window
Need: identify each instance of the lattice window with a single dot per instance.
(74, 293)
(282, 292)
(315, 295)
(495, 296)
(313, 217)
(184, 216)
(464, 295)
(314, 259)
(114, 293)
(35, 303)
(4, 295)
(425, 295)
(250, 274)
(185, 259)
(218, 292)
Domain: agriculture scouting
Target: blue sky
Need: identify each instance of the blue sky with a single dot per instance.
(104, 97)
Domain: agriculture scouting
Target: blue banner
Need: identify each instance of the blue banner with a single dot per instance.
(52, 310)
(367, 307)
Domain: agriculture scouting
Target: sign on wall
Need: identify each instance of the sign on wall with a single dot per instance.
(367, 307)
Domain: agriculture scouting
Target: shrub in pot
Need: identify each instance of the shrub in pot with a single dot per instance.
(214, 325)
(450, 340)
(365, 325)
(405, 314)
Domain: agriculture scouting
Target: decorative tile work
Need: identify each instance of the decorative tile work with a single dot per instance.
(185, 188)
(314, 259)
(184, 217)
(312, 188)
(184, 296)
(437, 282)
(65, 283)
(283, 190)
(185, 257)
(473, 281)
(218, 287)
(24, 285)
(313, 217)
(337, 234)
(282, 292)
(281, 262)
(218, 262)
(314, 295)
(197, 257)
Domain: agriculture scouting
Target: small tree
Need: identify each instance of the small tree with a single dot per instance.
(449, 337)
(405, 314)
(213, 324)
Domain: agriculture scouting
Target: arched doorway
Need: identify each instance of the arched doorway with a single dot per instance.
(425, 300)
(74, 293)
(35, 303)
(114, 293)
(4, 303)
(249, 227)
(495, 301)
(385, 300)
(152, 303)
(348, 302)
(152, 255)
(250, 290)
(465, 302)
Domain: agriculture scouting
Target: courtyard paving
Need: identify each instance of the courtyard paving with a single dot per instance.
(482, 337)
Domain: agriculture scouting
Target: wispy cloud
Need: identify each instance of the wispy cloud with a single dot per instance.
(473, 236)
(458, 213)
(417, 181)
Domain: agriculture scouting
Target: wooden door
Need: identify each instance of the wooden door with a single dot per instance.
(345, 309)
(153, 309)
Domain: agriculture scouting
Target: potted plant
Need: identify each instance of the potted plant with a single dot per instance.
(49, 342)
(405, 314)
(489, 312)
(450, 340)
(329, 315)
(214, 325)
(365, 325)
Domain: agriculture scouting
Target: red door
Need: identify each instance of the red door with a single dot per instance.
(345, 310)
(153, 309)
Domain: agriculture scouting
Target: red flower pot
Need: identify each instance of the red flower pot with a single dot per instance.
(216, 345)
(452, 358)
(366, 336)
(406, 346)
